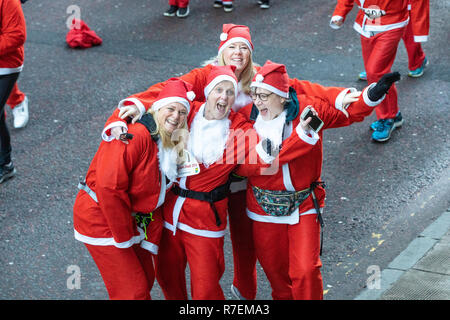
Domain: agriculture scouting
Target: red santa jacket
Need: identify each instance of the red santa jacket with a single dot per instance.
(196, 216)
(382, 15)
(198, 79)
(300, 171)
(123, 179)
(12, 36)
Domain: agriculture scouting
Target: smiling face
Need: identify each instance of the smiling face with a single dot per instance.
(237, 54)
(272, 107)
(172, 116)
(220, 100)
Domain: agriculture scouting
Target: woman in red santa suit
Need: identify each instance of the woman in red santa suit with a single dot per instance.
(286, 206)
(116, 211)
(235, 49)
(381, 24)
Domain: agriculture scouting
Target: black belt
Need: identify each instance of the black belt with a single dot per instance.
(217, 194)
(316, 205)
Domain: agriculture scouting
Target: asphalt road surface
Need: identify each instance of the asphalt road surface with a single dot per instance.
(380, 196)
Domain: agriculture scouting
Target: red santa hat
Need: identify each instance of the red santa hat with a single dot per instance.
(273, 77)
(175, 90)
(235, 33)
(81, 36)
(219, 74)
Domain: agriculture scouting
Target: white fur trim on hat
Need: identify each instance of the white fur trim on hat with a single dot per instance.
(233, 40)
(220, 78)
(270, 88)
(165, 101)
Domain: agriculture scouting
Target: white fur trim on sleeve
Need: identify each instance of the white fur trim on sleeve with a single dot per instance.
(136, 102)
(369, 102)
(304, 135)
(263, 155)
(109, 138)
(333, 19)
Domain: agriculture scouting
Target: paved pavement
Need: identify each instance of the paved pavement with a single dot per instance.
(380, 196)
(420, 272)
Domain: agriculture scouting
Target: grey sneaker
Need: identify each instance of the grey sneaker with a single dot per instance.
(183, 12)
(264, 4)
(171, 12)
(7, 171)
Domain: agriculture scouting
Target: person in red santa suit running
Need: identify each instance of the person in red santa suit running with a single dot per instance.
(116, 212)
(286, 206)
(381, 24)
(236, 49)
(417, 60)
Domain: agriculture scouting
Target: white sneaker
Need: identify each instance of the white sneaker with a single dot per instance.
(20, 113)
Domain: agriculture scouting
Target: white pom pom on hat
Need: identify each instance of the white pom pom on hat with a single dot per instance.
(223, 36)
(190, 95)
(259, 78)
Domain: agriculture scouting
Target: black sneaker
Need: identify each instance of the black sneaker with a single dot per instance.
(218, 4)
(7, 171)
(171, 12)
(228, 7)
(183, 12)
(264, 4)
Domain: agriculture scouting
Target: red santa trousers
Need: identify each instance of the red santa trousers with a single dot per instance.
(414, 49)
(16, 97)
(206, 265)
(379, 54)
(128, 273)
(179, 3)
(289, 255)
(244, 255)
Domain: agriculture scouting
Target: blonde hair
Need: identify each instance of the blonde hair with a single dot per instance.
(164, 135)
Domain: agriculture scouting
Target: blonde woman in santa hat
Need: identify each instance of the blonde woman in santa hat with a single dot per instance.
(286, 206)
(235, 49)
(116, 211)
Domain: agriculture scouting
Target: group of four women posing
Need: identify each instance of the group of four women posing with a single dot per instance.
(159, 200)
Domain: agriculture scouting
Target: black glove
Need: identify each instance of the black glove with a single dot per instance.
(382, 87)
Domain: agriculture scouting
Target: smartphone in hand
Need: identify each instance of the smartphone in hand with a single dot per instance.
(316, 123)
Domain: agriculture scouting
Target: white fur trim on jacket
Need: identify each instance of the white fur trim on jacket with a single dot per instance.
(136, 102)
(109, 138)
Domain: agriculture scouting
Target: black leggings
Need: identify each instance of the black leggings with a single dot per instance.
(6, 84)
